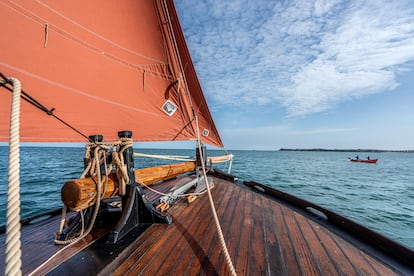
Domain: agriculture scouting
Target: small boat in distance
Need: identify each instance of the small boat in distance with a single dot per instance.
(373, 161)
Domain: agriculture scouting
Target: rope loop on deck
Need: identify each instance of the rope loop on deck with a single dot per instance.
(13, 261)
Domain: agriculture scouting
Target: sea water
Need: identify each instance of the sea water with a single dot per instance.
(379, 196)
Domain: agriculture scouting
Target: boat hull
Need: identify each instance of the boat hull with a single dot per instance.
(372, 161)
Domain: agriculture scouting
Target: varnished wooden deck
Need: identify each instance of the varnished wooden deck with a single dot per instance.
(263, 236)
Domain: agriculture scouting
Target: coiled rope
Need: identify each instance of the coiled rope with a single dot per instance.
(121, 167)
(13, 244)
(93, 168)
(96, 208)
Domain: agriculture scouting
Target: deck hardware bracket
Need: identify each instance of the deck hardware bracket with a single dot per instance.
(74, 225)
(177, 192)
(136, 208)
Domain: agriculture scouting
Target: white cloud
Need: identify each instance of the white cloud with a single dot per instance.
(306, 55)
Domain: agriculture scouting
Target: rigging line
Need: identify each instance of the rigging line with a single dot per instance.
(178, 54)
(166, 157)
(181, 67)
(161, 10)
(187, 90)
(182, 129)
(213, 208)
(171, 34)
(25, 96)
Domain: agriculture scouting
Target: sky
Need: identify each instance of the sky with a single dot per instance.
(305, 74)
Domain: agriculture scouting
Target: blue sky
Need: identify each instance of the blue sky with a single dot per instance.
(305, 74)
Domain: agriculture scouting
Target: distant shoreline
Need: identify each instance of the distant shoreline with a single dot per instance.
(348, 150)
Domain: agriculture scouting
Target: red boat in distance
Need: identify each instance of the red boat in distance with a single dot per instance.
(364, 160)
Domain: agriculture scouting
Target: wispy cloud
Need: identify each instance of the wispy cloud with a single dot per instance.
(275, 137)
(305, 55)
(286, 130)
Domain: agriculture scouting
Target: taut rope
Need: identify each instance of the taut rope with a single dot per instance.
(166, 157)
(213, 208)
(13, 244)
(25, 96)
(197, 129)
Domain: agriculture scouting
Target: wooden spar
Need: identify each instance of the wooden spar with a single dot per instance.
(151, 175)
(79, 194)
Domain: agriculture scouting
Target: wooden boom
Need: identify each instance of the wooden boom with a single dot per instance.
(79, 194)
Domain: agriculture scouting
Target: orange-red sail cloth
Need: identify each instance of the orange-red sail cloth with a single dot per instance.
(104, 66)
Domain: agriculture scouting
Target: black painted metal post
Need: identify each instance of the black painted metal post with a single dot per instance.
(198, 157)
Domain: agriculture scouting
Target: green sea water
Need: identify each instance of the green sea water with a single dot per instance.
(379, 196)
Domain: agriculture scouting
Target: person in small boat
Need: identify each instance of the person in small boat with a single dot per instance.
(357, 157)
(368, 158)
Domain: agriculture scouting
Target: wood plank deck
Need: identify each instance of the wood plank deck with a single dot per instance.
(264, 237)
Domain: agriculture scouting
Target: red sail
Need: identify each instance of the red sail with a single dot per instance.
(103, 66)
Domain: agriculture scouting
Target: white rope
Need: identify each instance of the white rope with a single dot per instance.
(197, 129)
(213, 208)
(167, 157)
(13, 244)
(50, 259)
(214, 159)
(216, 220)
